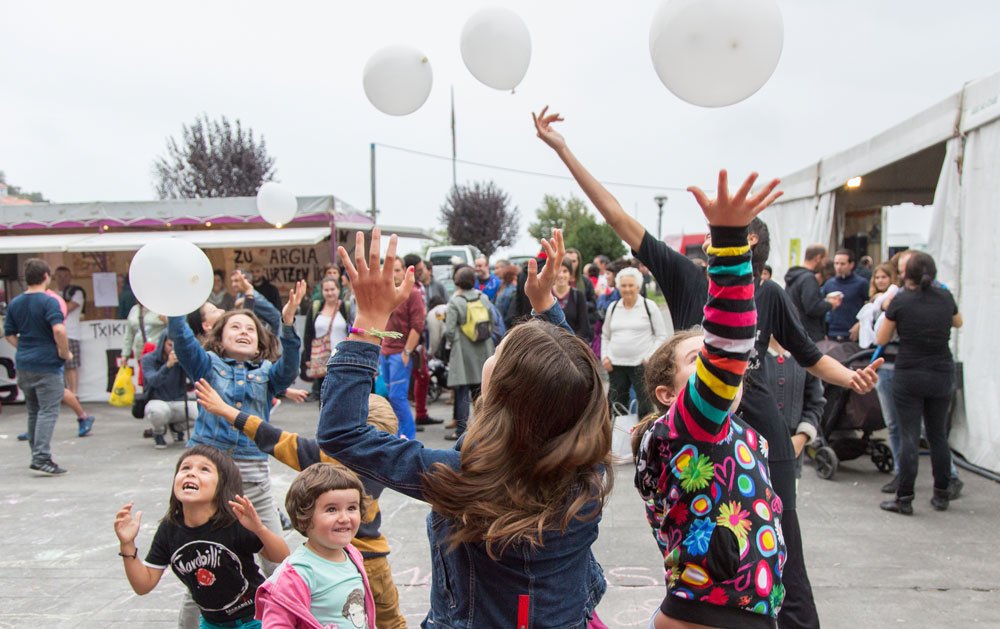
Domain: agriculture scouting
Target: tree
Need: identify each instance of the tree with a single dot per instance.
(555, 212)
(214, 159)
(593, 238)
(14, 191)
(480, 215)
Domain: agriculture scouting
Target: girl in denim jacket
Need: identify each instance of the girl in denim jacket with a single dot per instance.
(240, 359)
(515, 507)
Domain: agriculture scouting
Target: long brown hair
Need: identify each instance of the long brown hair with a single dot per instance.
(660, 371)
(532, 459)
(267, 343)
(229, 485)
(886, 268)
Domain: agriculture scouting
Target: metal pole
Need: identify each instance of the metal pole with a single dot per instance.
(374, 209)
(660, 200)
(454, 153)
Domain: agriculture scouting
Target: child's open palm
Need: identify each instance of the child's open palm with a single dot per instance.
(209, 398)
(375, 290)
(246, 514)
(538, 287)
(737, 210)
(294, 300)
(127, 525)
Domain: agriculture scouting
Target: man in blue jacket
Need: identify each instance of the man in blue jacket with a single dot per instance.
(853, 291)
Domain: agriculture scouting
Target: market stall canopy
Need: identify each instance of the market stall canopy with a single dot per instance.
(132, 241)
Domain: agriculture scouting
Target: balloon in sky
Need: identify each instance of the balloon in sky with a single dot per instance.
(398, 80)
(715, 53)
(496, 47)
(171, 276)
(276, 204)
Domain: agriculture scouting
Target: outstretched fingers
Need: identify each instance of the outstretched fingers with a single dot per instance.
(722, 189)
(744, 190)
(765, 197)
(699, 195)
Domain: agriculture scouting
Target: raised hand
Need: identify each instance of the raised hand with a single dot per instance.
(211, 401)
(538, 288)
(246, 514)
(127, 526)
(375, 291)
(864, 380)
(294, 300)
(543, 126)
(737, 210)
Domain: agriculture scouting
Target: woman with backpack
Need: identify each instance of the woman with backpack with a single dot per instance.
(633, 329)
(468, 326)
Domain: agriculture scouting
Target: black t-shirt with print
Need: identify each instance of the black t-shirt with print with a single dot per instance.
(923, 322)
(217, 566)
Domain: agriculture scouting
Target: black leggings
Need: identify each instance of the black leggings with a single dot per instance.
(922, 394)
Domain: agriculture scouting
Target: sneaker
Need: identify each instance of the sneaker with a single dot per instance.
(159, 442)
(49, 468)
(955, 488)
(22, 437)
(419, 428)
(86, 423)
(891, 486)
(428, 421)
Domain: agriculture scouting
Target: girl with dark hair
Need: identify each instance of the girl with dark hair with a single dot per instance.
(573, 302)
(208, 538)
(515, 507)
(922, 313)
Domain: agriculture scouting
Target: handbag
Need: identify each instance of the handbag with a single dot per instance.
(319, 354)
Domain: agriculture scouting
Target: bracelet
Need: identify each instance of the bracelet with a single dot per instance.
(379, 334)
(134, 555)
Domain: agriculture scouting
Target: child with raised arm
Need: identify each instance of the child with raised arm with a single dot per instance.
(208, 539)
(701, 469)
(298, 452)
(515, 509)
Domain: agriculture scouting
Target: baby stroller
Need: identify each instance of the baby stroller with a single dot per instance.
(439, 378)
(845, 416)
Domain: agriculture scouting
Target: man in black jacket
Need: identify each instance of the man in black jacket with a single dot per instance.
(803, 289)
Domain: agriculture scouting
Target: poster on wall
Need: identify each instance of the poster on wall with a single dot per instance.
(105, 289)
(794, 252)
(285, 265)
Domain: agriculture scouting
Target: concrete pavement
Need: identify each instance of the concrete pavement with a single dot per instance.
(59, 565)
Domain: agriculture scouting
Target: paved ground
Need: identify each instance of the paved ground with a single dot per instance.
(59, 568)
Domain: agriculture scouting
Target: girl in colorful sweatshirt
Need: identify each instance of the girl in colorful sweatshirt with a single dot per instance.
(702, 471)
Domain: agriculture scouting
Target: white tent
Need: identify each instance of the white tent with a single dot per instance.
(947, 156)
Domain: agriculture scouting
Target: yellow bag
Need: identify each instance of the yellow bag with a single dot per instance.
(123, 390)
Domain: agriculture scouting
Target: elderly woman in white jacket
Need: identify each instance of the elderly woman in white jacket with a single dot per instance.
(633, 329)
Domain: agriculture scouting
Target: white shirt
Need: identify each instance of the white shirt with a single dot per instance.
(339, 333)
(627, 338)
(73, 318)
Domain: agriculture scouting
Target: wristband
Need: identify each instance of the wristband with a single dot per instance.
(379, 334)
(134, 555)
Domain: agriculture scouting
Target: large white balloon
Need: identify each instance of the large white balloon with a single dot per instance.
(276, 203)
(714, 53)
(171, 276)
(398, 80)
(496, 47)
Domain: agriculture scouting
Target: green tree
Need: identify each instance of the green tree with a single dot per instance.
(14, 191)
(214, 159)
(480, 215)
(555, 212)
(593, 238)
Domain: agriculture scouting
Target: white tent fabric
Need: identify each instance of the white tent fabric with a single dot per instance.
(945, 242)
(979, 438)
(804, 221)
(132, 241)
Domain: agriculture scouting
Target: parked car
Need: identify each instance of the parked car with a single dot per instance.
(445, 258)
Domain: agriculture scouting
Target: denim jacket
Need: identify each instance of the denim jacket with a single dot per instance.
(468, 589)
(250, 387)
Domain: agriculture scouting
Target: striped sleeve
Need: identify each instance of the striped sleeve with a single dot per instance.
(296, 452)
(730, 325)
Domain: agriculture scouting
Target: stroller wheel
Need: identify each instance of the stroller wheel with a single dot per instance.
(826, 463)
(882, 457)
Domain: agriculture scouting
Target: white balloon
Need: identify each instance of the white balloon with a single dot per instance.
(171, 276)
(276, 203)
(715, 53)
(496, 47)
(398, 79)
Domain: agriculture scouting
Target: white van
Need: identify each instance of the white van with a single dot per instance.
(446, 257)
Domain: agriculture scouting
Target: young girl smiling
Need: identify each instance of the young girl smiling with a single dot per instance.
(208, 538)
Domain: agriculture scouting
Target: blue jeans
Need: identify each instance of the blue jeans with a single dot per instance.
(465, 395)
(396, 376)
(889, 414)
(43, 393)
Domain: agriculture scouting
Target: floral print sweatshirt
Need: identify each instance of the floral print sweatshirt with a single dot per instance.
(703, 472)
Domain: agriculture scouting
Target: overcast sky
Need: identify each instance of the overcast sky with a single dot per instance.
(91, 91)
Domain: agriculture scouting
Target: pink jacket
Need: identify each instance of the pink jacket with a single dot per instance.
(283, 601)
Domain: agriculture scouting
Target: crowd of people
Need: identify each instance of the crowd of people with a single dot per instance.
(540, 358)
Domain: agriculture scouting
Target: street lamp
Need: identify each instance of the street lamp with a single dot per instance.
(660, 200)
